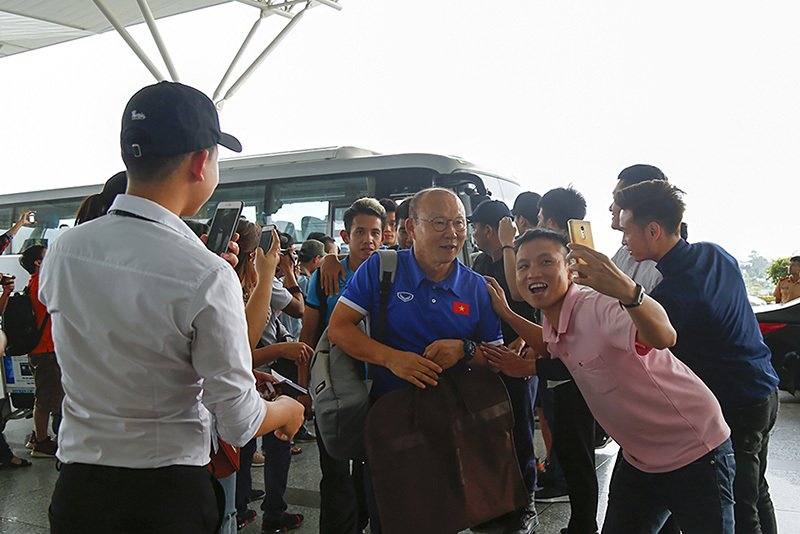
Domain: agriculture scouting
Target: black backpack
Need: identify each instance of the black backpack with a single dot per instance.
(19, 324)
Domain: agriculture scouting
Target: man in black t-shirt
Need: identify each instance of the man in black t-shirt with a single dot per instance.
(485, 220)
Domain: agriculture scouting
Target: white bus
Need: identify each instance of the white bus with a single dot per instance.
(301, 192)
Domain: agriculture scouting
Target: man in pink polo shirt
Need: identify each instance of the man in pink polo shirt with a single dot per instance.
(614, 340)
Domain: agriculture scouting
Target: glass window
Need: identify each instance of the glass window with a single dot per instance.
(52, 217)
(299, 207)
(251, 194)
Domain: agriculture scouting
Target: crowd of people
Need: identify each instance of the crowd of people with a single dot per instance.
(155, 366)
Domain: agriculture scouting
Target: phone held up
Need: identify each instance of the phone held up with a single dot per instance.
(223, 225)
(581, 232)
(32, 217)
(265, 243)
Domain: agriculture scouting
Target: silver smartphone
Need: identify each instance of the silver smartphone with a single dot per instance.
(223, 225)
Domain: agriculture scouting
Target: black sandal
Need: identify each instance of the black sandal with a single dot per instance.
(11, 465)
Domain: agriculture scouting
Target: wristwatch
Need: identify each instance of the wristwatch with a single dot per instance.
(469, 350)
(637, 301)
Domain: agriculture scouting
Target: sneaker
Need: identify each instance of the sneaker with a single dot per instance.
(256, 495)
(44, 449)
(285, 523)
(258, 459)
(242, 520)
(552, 494)
(30, 440)
(304, 436)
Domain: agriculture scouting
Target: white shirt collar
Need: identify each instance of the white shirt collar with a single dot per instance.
(152, 211)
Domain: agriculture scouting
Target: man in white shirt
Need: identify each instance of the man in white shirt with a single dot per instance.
(151, 336)
(642, 272)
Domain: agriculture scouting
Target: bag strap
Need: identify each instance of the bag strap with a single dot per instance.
(39, 335)
(386, 275)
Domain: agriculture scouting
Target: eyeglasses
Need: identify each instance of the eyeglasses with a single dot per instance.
(440, 224)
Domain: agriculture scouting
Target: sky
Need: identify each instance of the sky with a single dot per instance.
(551, 93)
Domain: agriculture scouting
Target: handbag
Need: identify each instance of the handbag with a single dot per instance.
(442, 459)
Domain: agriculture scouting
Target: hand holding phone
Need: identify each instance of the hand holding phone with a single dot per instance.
(268, 235)
(581, 232)
(223, 225)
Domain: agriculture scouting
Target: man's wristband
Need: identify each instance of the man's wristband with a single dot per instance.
(507, 247)
(294, 289)
(638, 299)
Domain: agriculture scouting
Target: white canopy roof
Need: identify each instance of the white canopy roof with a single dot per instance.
(30, 24)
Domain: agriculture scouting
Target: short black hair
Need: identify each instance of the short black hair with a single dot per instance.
(562, 204)
(541, 233)
(152, 169)
(29, 257)
(389, 205)
(364, 206)
(402, 209)
(527, 205)
(653, 201)
(322, 238)
(641, 172)
(794, 258)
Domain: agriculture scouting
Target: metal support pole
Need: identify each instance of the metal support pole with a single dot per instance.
(130, 40)
(260, 59)
(144, 7)
(238, 56)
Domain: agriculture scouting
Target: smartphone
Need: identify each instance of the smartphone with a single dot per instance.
(581, 232)
(266, 238)
(7, 279)
(32, 217)
(223, 225)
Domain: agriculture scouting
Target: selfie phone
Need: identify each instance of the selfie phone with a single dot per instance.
(32, 217)
(581, 232)
(7, 278)
(266, 238)
(223, 225)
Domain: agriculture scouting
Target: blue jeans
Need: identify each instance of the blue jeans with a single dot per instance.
(699, 495)
(229, 516)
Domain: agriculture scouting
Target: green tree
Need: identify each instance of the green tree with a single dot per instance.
(778, 269)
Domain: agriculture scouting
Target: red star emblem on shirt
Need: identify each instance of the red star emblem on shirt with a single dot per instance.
(461, 308)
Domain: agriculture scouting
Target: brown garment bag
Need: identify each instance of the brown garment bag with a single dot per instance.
(442, 458)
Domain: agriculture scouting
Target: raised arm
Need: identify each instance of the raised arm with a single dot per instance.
(507, 232)
(653, 328)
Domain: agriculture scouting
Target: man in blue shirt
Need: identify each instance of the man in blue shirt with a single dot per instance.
(342, 506)
(439, 310)
(718, 336)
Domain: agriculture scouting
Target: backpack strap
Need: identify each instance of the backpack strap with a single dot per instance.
(27, 293)
(386, 274)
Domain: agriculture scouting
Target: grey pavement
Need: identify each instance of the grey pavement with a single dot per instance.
(25, 494)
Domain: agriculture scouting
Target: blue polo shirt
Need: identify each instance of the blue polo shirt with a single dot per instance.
(312, 296)
(421, 311)
(718, 336)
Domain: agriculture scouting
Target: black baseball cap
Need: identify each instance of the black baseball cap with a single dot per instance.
(527, 205)
(489, 212)
(170, 119)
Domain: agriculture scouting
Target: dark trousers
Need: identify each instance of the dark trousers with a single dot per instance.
(750, 429)
(278, 457)
(573, 441)
(343, 505)
(244, 479)
(522, 394)
(699, 495)
(175, 499)
(554, 472)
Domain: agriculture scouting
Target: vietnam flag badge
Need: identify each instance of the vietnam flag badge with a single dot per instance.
(461, 308)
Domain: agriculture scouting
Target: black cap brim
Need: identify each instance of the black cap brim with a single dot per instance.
(230, 142)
